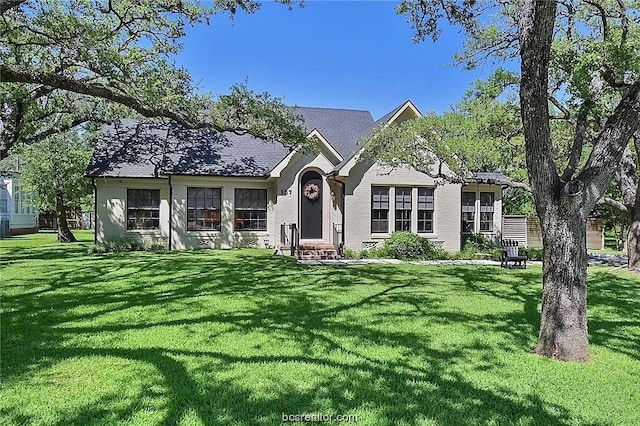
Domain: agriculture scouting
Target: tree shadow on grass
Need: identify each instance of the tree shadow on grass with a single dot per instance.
(613, 304)
(519, 286)
(614, 320)
(309, 309)
(45, 252)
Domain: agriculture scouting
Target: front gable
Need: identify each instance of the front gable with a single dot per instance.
(406, 111)
(326, 157)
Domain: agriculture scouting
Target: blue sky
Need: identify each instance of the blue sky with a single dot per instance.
(341, 54)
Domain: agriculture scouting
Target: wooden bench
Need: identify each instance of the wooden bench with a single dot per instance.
(512, 253)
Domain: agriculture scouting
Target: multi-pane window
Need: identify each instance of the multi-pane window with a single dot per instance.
(16, 199)
(143, 208)
(4, 200)
(25, 205)
(380, 209)
(425, 209)
(403, 209)
(486, 211)
(203, 209)
(468, 211)
(251, 210)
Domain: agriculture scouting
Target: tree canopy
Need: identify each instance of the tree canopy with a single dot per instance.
(71, 62)
(482, 133)
(57, 164)
(52, 171)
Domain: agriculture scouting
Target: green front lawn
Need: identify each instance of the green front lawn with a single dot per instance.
(240, 337)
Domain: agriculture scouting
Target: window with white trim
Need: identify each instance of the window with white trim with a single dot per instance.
(403, 209)
(486, 211)
(4, 200)
(143, 209)
(425, 209)
(250, 212)
(379, 209)
(203, 209)
(16, 199)
(25, 206)
(468, 212)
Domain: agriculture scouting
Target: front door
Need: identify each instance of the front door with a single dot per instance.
(311, 206)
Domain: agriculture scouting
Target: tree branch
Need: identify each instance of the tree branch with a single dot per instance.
(578, 142)
(562, 108)
(12, 74)
(610, 144)
(470, 179)
(6, 5)
(626, 177)
(624, 22)
(63, 128)
(605, 201)
(603, 17)
(513, 184)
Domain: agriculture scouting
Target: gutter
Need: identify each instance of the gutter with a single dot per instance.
(95, 210)
(342, 199)
(170, 213)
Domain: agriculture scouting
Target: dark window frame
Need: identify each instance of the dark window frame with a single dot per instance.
(468, 212)
(143, 209)
(204, 208)
(426, 207)
(486, 211)
(403, 208)
(379, 209)
(249, 213)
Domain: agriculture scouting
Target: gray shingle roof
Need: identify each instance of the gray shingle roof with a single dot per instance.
(205, 152)
(488, 177)
(130, 148)
(341, 127)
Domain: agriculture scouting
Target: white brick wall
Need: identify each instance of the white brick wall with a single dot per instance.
(358, 205)
(283, 200)
(111, 208)
(226, 237)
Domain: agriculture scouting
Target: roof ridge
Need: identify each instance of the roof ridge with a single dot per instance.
(391, 113)
(333, 109)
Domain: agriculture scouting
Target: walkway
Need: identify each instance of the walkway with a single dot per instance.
(594, 259)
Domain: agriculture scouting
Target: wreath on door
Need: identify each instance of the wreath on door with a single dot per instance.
(311, 191)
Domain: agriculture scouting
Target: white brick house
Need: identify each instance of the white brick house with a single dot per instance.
(189, 189)
(17, 214)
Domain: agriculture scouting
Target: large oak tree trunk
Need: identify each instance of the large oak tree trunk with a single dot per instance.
(563, 326)
(633, 237)
(64, 233)
(630, 188)
(562, 203)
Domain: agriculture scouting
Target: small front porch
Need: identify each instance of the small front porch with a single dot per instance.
(290, 244)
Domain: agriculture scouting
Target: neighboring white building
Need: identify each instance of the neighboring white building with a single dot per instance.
(17, 214)
(157, 181)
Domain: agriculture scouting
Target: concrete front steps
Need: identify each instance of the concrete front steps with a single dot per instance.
(318, 251)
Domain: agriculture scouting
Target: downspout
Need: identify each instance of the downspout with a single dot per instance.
(170, 213)
(164, 152)
(342, 198)
(95, 210)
